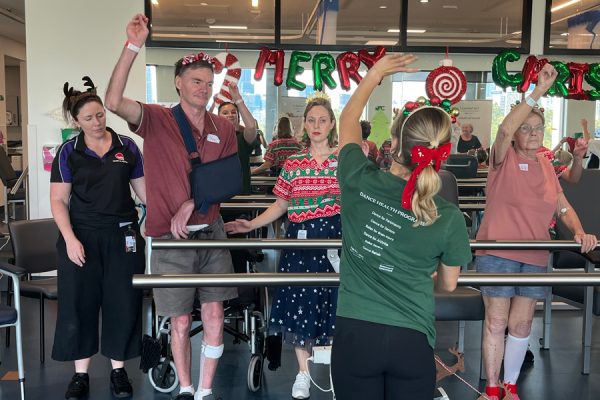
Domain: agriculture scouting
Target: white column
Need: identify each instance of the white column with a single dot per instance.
(66, 40)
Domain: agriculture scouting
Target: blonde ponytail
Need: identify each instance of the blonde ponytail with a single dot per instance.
(423, 205)
(429, 127)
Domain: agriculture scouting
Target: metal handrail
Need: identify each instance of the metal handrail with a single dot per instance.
(329, 279)
(337, 243)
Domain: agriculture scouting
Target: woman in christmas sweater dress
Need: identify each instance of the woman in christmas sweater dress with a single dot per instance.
(308, 191)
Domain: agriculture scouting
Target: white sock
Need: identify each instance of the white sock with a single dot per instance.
(187, 389)
(514, 354)
(201, 393)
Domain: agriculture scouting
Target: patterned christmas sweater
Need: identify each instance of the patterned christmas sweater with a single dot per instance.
(311, 190)
(279, 150)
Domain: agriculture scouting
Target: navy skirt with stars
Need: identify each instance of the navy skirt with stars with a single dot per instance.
(305, 316)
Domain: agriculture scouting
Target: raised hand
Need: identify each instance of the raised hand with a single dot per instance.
(234, 91)
(137, 30)
(546, 77)
(393, 63)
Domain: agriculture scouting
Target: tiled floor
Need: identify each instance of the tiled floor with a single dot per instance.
(555, 374)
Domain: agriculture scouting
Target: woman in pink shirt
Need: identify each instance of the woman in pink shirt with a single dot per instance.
(523, 196)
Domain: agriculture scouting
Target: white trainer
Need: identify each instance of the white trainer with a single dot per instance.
(301, 388)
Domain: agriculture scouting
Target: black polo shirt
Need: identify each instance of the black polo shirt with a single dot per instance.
(100, 193)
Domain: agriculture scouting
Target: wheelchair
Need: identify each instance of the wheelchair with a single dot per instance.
(245, 321)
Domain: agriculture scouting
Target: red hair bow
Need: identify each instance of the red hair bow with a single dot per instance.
(423, 156)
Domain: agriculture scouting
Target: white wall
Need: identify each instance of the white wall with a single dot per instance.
(65, 41)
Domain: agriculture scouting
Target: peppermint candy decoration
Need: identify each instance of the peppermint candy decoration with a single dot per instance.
(234, 71)
(446, 83)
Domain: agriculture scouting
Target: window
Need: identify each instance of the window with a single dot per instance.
(224, 21)
(468, 23)
(151, 92)
(407, 87)
(573, 26)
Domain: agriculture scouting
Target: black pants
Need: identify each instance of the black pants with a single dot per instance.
(376, 362)
(104, 282)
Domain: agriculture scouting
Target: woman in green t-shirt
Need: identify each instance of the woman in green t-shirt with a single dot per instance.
(400, 240)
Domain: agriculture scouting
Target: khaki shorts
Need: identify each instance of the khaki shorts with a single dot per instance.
(180, 301)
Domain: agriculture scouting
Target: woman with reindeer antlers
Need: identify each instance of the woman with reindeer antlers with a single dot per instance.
(100, 246)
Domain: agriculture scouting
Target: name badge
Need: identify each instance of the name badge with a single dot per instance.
(213, 138)
(130, 242)
(302, 234)
(333, 164)
(524, 167)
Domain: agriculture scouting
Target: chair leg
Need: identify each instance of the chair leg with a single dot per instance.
(461, 337)
(20, 367)
(42, 331)
(587, 329)
(8, 303)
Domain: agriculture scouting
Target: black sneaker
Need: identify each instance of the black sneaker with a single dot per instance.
(184, 396)
(79, 387)
(120, 384)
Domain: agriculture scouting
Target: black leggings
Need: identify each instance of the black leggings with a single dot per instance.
(375, 362)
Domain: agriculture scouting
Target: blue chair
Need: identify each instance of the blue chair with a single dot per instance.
(11, 316)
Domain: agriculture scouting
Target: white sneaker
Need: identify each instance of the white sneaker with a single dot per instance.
(301, 388)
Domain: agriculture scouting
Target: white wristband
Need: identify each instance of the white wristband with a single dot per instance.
(132, 47)
(238, 101)
(530, 101)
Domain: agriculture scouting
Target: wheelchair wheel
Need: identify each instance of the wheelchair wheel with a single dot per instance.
(169, 380)
(255, 372)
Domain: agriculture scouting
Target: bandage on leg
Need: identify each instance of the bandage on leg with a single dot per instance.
(207, 351)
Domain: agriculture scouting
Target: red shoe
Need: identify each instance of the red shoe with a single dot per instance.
(494, 392)
(512, 389)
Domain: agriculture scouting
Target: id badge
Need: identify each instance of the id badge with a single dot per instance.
(302, 234)
(130, 242)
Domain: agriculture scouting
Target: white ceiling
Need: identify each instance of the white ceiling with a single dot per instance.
(10, 12)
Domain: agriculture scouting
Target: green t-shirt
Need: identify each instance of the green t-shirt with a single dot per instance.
(244, 150)
(387, 263)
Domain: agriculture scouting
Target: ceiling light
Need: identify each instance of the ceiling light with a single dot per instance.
(563, 5)
(564, 34)
(424, 1)
(381, 43)
(416, 30)
(203, 4)
(382, 7)
(450, 6)
(393, 30)
(155, 2)
(227, 27)
(254, 3)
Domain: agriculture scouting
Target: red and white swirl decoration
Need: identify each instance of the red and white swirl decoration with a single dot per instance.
(446, 83)
(234, 71)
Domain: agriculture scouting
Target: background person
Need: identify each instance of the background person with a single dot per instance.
(467, 141)
(307, 190)
(246, 136)
(279, 149)
(100, 247)
(522, 187)
(368, 147)
(400, 240)
(171, 213)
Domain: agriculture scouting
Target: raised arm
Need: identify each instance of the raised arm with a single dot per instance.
(247, 118)
(265, 166)
(129, 110)
(586, 131)
(518, 114)
(350, 131)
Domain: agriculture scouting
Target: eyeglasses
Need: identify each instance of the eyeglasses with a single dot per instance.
(526, 128)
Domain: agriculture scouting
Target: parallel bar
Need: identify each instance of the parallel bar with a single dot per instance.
(337, 243)
(328, 279)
